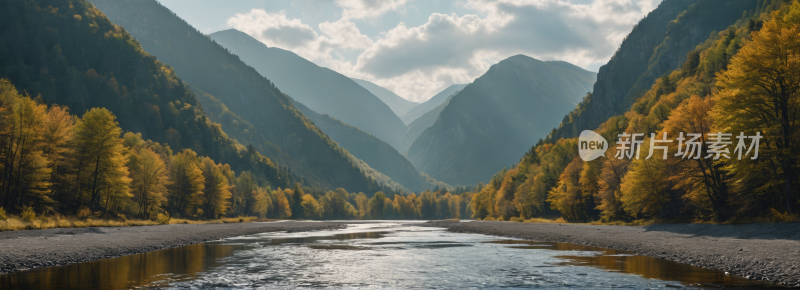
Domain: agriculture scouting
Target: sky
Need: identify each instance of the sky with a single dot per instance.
(418, 48)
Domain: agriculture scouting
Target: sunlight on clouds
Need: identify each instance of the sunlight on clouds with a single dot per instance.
(417, 62)
(358, 9)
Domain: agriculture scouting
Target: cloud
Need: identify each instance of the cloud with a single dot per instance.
(359, 9)
(274, 29)
(417, 62)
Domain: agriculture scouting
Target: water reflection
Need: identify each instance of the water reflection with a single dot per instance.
(382, 255)
(628, 262)
(159, 268)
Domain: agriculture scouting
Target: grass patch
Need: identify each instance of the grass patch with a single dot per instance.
(16, 223)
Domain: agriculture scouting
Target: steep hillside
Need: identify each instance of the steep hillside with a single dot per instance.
(321, 89)
(70, 54)
(422, 123)
(492, 120)
(369, 149)
(657, 45)
(399, 105)
(730, 83)
(431, 103)
(212, 69)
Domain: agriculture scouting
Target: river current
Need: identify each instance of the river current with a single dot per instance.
(380, 254)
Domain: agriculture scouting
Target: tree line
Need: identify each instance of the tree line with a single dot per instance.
(743, 79)
(55, 162)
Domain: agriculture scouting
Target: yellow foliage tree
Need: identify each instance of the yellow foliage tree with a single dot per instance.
(760, 92)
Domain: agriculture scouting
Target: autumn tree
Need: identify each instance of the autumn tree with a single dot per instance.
(56, 140)
(149, 174)
(377, 205)
(609, 192)
(282, 207)
(186, 182)
(100, 157)
(701, 178)
(645, 188)
(311, 208)
(568, 197)
(216, 190)
(760, 92)
(263, 202)
(335, 205)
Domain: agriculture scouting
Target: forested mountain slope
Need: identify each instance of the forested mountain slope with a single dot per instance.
(211, 68)
(657, 45)
(321, 89)
(738, 81)
(377, 154)
(500, 114)
(70, 54)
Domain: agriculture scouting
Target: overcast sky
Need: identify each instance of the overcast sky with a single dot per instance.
(418, 48)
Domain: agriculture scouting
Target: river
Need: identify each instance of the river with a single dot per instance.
(382, 254)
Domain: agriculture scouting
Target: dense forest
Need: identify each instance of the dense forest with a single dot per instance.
(745, 78)
(54, 162)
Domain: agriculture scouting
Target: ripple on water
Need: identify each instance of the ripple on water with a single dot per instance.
(389, 255)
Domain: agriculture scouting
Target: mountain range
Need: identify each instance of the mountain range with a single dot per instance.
(243, 95)
(321, 89)
(398, 104)
(489, 123)
(430, 104)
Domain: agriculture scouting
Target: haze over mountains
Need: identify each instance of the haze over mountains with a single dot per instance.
(321, 89)
(431, 103)
(422, 123)
(486, 125)
(399, 105)
(244, 96)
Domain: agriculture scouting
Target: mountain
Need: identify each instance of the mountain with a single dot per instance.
(245, 94)
(321, 89)
(424, 122)
(493, 120)
(375, 152)
(70, 54)
(657, 45)
(431, 103)
(399, 105)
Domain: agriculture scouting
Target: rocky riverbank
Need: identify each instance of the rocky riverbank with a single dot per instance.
(21, 250)
(756, 251)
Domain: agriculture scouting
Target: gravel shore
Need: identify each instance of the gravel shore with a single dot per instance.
(757, 251)
(21, 250)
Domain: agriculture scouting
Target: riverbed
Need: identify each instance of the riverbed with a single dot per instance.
(381, 254)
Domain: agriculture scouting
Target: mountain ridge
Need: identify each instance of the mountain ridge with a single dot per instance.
(398, 104)
(481, 130)
(330, 93)
(431, 103)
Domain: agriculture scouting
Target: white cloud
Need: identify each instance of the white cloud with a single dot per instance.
(359, 9)
(417, 62)
(274, 29)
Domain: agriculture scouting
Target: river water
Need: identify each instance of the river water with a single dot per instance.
(384, 255)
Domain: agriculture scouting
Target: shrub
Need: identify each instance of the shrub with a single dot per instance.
(241, 220)
(3, 214)
(28, 214)
(777, 216)
(84, 212)
(163, 219)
